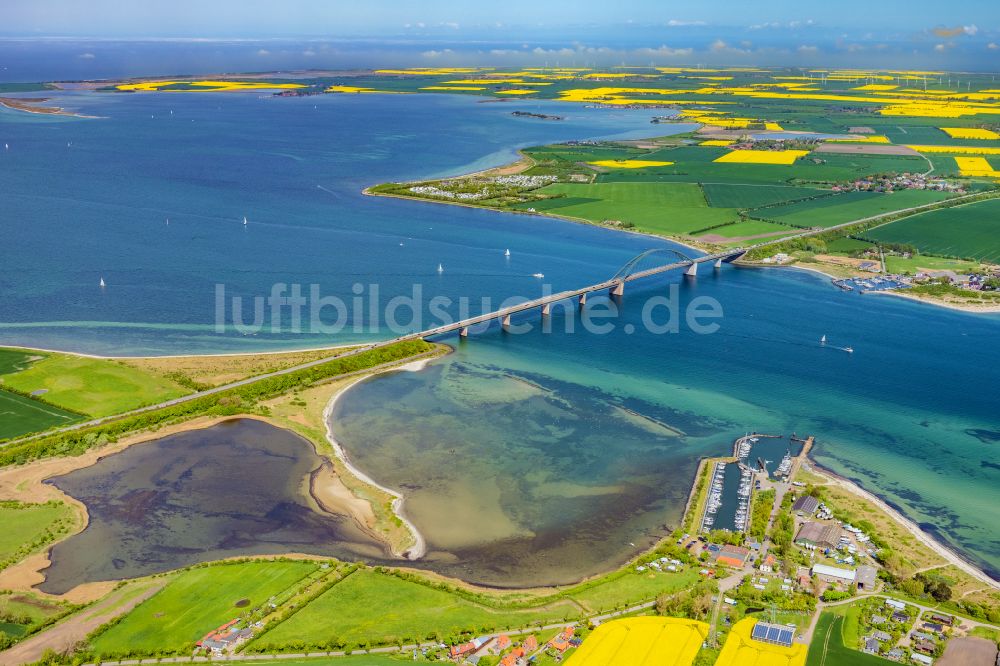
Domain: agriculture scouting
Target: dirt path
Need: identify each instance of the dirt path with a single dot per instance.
(63, 636)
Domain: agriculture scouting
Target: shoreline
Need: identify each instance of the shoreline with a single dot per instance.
(419, 547)
(957, 307)
(951, 556)
(565, 218)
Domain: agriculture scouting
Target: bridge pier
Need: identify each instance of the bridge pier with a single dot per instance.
(692, 270)
(618, 289)
(505, 321)
(546, 309)
(582, 299)
(463, 332)
(718, 262)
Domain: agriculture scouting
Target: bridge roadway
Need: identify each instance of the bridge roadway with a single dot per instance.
(614, 285)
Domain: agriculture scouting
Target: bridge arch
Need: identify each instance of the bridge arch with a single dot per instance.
(630, 266)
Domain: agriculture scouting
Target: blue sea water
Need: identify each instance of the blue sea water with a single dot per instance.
(524, 458)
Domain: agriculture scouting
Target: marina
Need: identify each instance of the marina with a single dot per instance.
(732, 483)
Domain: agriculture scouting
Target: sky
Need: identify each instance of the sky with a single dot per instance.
(959, 34)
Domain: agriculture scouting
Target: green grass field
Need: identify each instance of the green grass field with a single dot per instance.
(196, 602)
(633, 587)
(664, 208)
(368, 606)
(847, 207)
(731, 195)
(97, 387)
(15, 360)
(749, 228)
(20, 415)
(827, 647)
(350, 660)
(971, 231)
(25, 527)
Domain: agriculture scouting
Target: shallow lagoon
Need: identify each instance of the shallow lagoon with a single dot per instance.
(236, 488)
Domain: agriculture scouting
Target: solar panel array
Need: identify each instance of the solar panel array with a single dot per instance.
(771, 633)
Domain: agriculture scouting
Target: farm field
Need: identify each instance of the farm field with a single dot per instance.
(730, 195)
(748, 228)
(829, 211)
(197, 601)
(664, 208)
(349, 660)
(971, 231)
(827, 647)
(739, 649)
(27, 612)
(20, 415)
(368, 606)
(97, 387)
(895, 264)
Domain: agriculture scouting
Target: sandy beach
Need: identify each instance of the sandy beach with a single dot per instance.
(419, 547)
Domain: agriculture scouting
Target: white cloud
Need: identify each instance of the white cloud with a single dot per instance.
(86, 56)
(719, 46)
(676, 23)
(806, 49)
(992, 46)
(309, 53)
(940, 48)
(970, 30)
(451, 24)
(420, 24)
(663, 51)
(437, 54)
(263, 52)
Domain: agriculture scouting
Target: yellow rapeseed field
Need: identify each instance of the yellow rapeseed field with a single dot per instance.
(957, 150)
(970, 133)
(785, 157)
(642, 641)
(453, 88)
(205, 86)
(741, 649)
(357, 89)
(718, 142)
(976, 166)
(629, 164)
(516, 92)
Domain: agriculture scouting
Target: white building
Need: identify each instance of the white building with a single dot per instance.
(828, 572)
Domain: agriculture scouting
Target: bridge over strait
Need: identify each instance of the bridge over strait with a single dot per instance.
(615, 285)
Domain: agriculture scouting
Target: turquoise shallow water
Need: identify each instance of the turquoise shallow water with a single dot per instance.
(530, 458)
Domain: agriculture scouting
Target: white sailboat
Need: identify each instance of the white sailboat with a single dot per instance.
(440, 268)
(102, 283)
(244, 220)
(538, 275)
(822, 340)
(506, 252)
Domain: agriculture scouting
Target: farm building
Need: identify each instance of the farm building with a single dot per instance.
(829, 573)
(866, 577)
(818, 535)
